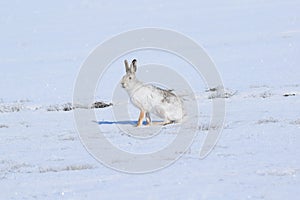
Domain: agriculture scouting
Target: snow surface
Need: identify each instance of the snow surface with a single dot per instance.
(255, 46)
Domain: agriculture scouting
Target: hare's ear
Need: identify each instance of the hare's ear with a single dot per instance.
(127, 66)
(133, 66)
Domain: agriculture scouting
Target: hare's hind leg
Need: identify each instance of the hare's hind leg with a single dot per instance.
(168, 122)
(141, 117)
(164, 123)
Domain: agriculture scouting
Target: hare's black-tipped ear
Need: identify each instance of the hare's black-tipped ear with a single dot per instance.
(127, 66)
(133, 65)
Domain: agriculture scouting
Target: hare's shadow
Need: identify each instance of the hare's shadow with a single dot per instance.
(126, 122)
(118, 122)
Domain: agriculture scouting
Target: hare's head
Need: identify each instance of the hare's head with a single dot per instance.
(129, 80)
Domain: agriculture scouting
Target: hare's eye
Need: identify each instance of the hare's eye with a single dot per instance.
(129, 77)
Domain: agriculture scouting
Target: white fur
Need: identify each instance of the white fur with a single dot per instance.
(151, 99)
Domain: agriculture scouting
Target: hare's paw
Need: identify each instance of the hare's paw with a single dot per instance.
(148, 123)
(168, 122)
(139, 124)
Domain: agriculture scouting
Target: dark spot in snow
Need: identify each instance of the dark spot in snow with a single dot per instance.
(99, 104)
(3, 126)
(289, 94)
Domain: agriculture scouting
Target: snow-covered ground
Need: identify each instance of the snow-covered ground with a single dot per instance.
(255, 46)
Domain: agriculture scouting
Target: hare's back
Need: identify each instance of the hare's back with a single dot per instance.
(149, 96)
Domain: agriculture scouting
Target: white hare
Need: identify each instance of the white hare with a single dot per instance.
(151, 99)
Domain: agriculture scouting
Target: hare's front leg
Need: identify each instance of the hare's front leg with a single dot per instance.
(141, 117)
(148, 119)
